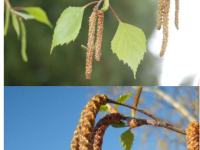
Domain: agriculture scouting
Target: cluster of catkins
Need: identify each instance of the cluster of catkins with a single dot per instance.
(163, 20)
(86, 137)
(192, 136)
(96, 14)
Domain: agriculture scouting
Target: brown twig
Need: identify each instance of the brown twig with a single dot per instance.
(137, 109)
(135, 122)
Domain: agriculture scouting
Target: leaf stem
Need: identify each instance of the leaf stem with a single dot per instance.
(114, 13)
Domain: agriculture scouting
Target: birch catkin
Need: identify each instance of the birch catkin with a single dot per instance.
(177, 14)
(165, 27)
(100, 128)
(160, 14)
(99, 35)
(87, 120)
(90, 45)
(192, 136)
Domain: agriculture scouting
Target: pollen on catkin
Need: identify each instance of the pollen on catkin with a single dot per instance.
(99, 35)
(100, 128)
(165, 26)
(192, 136)
(177, 14)
(160, 14)
(87, 121)
(90, 44)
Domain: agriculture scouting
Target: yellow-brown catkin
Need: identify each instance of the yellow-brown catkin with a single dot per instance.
(177, 14)
(75, 140)
(160, 14)
(90, 45)
(99, 35)
(165, 26)
(192, 136)
(87, 121)
(100, 128)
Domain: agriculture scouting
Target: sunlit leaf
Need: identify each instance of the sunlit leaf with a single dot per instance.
(126, 139)
(23, 41)
(7, 20)
(67, 26)
(24, 15)
(16, 25)
(39, 15)
(129, 43)
(123, 98)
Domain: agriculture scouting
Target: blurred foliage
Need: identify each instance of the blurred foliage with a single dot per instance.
(66, 65)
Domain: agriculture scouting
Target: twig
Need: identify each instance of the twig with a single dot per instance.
(183, 111)
(137, 109)
(135, 122)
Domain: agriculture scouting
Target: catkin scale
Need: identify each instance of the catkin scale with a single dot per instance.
(84, 129)
(165, 26)
(192, 136)
(100, 128)
(160, 14)
(177, 14)
(90, 45)
(99, 35)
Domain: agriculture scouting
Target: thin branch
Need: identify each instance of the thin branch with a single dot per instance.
(183, 111)
(95, 2)
(135, 122)
(17, 8)
(137, 109)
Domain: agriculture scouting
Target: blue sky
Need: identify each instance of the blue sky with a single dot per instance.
(44, 118)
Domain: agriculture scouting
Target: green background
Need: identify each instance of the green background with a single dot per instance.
(66, 65)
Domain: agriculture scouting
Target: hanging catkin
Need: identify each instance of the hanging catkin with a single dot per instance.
(100, 128)
(90, 45)
(160, 14)
(87, 120)
(165, 26)
(99, 35)
(192, 136)
(177, 14)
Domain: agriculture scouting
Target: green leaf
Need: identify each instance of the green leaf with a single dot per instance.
(129, 43)
(23, 41)
(67, 26)
(120, 124)
(39, 15)
(16, 25)
(126, 139)
(123, 98)
(104, 108)
(7, 20)
(105, 5)
(23, 15)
